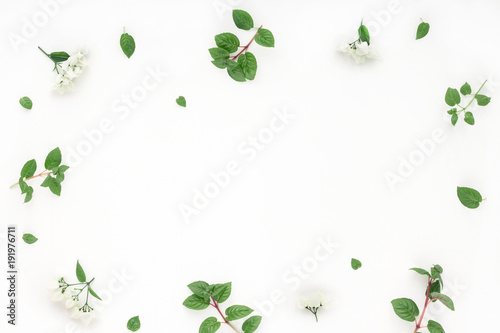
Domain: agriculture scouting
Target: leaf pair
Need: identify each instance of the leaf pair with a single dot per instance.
(80, 275)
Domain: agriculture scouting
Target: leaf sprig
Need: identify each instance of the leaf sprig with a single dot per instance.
(406, 308)
(452, 98)
(205, 295)
(53, 174)
(56, 57)
(242, 65)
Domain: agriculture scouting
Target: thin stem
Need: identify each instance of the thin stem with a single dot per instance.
(427, 302)
(216, 305)
(245, 48)
(44, 173)
(473, 98)
(44, 52)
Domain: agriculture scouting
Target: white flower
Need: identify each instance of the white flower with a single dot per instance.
(359, 51)
(85, 317)
(313, 302)
(70, 70)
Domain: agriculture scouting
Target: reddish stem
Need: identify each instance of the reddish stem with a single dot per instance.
(216, 305)
(427, 302)
(245, 48)
(41, 174)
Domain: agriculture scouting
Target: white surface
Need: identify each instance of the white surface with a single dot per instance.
(322, 176)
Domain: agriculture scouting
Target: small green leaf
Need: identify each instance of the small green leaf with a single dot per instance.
(452, 111)
(47, 181)
(454, 119)
(195, 302)
(93, 293)
(127, 43)
(445, 300)
(134, 324)
(364, 34)
(355, 264)
(466, 89)
(28, 169)
(221, 292)
(218, 53)
(422, 30)
(452, 97)
(242, 19)
(60, 177)
(435, 327)
(59, 56)
(23, 185)
(420, 271)
(26, 102)
(209, 325)
(248, 63)
(251, 324)
(60, 169)
(236, 73)
(438, 268)
(236, 312)
(223, 62)
(265, 38)
(55, 187)
(227, 41)
(469, 197)
(405, 308)
(29, 194)
(469, 118)
(181, 101)
(483, 100)
(80, 273)
(200, 288)
(53, 159)
(29, 238)
(435, 288)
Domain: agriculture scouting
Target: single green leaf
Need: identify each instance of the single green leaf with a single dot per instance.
(483, 100)
(438, 269)
(80, 273)
(209, 325)
(422, 30)
(236, 73)
(48, 180)
(251, 324)
(355, 264)
(23, 185)
(435, 288)
(405, 308)
(223, 62)
(29, 194)
(200, 288)
(53, 159)
(93, 293)
(26, 102)
(218, 53)
(452, 97)
(469, 118)
(55, 187)
(265, 38)
(452, 111)
(248, 63)
(127, 43)
(466, 89)
(29, 239)
(60, 169)
(435, 327)
(445, 300)
(181, 101)
(420, 271)
(134, 324)
(28, 169)
(227, 41)
(242, 19)
(236, 312)
(59, 56)
(60, 177)
(469, 197)
(364, 34)
(454, 119)
(195, 302)
(221, 292)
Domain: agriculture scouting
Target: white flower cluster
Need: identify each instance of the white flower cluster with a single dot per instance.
(313, 302)
(359, 51)
(69, 70)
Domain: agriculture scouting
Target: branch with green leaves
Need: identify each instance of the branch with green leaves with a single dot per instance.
(453, 99)
(241, 65)
(57, 57)
(53, 174)
(205, 295)
(406, 309)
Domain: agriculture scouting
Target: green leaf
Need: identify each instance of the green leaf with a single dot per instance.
(28, 169)
(181, 101)
(248, 63)
(364, 34)
(29, 194)
(200, 288)
(209, 325)
(435, 327)
(236, 312)
(47, 181)
(134, 324)
(60, 169)
(420, 271)
(265, 38)
(466, 89)
(218, 53)
(242, 19)
(127, 43)
(483, 100)
(438, 269)
(80, 273)
(236, 73)
(195, 302)
(422, 30)
(469, 197)
(454, 119)
(23, 185)
(26, 102)
(59, 56)
(452, 111)
(221, 292)
(405, 308)
(53, 159)
(93, 293)
(469, 118)
(435, 288)
(227, 41)
(452, 97)
(445, 300)
(251, 324)
(223, 62)
(29, 239)
(355, 264)
(55, 187)
(60, 177)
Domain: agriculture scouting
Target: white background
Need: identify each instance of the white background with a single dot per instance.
(322, 176)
